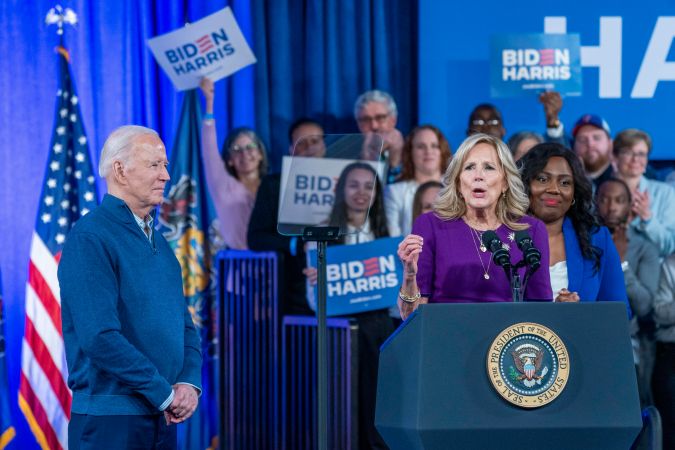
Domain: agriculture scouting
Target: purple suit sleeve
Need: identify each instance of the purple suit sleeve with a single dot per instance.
(539, 285)
(425, 265)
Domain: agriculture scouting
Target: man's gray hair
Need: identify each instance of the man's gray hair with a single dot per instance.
(118, 145)
(375, 96)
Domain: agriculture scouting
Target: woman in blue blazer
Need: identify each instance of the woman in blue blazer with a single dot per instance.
(584, 263)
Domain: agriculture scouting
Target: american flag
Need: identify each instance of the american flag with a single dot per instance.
(68, 193)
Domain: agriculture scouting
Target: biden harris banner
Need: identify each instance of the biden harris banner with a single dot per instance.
(308, 188)
(627, 55)
(360, 277)
(212, 47)
(521, 64)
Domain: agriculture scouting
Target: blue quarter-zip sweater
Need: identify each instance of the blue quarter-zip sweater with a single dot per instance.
(127, 331)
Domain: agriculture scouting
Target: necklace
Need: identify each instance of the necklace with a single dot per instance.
(474, 237)
(479, 236)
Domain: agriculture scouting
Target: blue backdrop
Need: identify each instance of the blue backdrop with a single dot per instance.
(314, 58)
(454, 67)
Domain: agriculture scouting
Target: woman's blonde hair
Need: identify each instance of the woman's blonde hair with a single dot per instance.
(511, 206)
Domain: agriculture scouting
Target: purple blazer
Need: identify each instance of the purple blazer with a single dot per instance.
(449, 269)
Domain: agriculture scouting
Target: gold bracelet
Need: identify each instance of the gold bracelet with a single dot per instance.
(409, 298)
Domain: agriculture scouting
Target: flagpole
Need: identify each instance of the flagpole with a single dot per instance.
(68, 193)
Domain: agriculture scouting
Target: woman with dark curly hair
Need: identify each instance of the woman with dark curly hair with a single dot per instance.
(583, 261)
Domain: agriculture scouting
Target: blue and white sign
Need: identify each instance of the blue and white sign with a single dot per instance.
(361, 277)
(308, 188)
(212, 47)
(627, 60)
(523, 64)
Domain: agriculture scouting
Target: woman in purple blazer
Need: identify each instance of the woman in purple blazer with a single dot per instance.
(445, 259)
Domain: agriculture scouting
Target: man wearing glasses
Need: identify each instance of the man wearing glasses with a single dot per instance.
(486, 118)
(376, 113)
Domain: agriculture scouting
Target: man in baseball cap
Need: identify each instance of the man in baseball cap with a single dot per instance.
(593, 144)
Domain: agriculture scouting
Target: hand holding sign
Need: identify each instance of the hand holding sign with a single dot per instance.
(553, 103)
(206, 85)
(311, 274)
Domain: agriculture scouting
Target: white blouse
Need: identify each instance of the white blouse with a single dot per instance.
(398, 203)
(559, 278)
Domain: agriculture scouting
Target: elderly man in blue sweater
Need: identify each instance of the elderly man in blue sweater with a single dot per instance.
(133, 354)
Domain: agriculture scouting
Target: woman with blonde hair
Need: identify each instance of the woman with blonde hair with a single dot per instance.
(444, 258)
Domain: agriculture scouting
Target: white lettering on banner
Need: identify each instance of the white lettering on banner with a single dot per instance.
(536, 73)
(655, 66)
(356, 277)
(361, 285)
(532, 57)
(607, 56)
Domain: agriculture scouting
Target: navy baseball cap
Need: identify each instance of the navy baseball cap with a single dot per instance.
(591, 119)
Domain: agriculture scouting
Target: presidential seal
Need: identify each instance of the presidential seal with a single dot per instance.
(528, 365)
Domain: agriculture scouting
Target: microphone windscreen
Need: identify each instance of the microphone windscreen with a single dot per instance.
(488, 237)
(522, 235)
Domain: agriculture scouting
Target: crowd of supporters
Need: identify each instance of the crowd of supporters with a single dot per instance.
(611, 187)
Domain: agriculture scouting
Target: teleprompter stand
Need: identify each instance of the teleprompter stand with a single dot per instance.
(321, 235)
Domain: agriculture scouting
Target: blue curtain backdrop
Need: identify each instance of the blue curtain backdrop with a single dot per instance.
(314, 58)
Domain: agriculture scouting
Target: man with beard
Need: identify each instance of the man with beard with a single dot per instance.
(640, 264)
(593, 144)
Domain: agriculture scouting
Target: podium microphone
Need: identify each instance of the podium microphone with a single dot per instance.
(531, 255)
(500, 255)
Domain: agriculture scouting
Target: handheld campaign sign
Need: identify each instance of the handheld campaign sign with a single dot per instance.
(521, 64)
(360, 277)
(310, 185)
(212, 47)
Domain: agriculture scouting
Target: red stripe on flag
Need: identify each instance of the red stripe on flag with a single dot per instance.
(57, 257)
(38, 412)
(53, 374)
(44, 292)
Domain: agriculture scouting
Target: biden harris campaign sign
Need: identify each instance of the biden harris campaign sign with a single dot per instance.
(308, 188)
(627, 53)
(522, 64)
(212, 47)
(361, 277)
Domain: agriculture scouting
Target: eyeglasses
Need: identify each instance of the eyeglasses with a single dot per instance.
(630, 154)
(481, 122)
(380, 118)
(238, 149)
